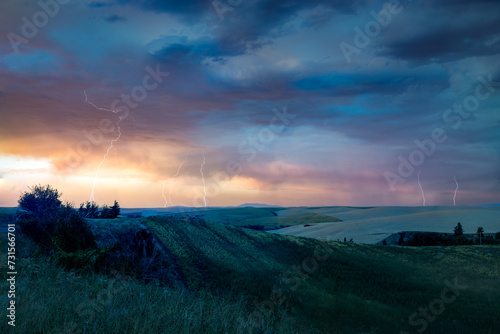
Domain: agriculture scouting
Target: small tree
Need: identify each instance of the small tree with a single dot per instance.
(40, 201)
(106, 212)
(56, 227)
(115, 209)
(39, 209)
(480, 234)
(458, 230)
(401, 240)
(89, 210)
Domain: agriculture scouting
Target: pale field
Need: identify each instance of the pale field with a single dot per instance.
(372, 225)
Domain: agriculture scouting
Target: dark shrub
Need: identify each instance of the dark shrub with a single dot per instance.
(57, 228)
(137, 253)
(106, 212)
(72, 232)
(38, 213)
(42, 201)
(115, 209)
(41, 230)
(89, 210)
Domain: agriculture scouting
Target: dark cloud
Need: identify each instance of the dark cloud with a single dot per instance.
(180, 49)
(250, 25)
(447, 44)
(462, 2)
(228, 75)
(318, 18)
(99, 4)
(185, 8)
(270, 9)
(368, 82)
(115, 18)
(256, 24)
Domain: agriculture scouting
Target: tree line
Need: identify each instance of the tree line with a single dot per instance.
(448, 239)
(92, 210)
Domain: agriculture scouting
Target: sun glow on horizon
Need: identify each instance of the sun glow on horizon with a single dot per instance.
(12, 164)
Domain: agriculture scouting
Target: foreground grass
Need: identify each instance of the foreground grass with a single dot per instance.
(229, 273)
(51, 300)
(356, 289)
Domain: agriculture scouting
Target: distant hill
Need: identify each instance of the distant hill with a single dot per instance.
(257, 205)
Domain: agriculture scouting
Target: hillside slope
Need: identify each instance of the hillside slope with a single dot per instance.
(236, 280)
(335, 287)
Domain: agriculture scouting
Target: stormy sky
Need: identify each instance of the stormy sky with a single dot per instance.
(214, 103)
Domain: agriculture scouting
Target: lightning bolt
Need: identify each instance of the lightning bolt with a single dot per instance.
(111, 144)
(203, 178)
(170, 188)
(421, 189)
(456, 189)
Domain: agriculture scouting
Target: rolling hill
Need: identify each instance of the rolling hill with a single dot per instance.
(372, 225)
(235, 280)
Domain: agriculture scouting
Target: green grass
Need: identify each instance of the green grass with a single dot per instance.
(226, 271)
(6, 215)
(8, 210)
(359, 288)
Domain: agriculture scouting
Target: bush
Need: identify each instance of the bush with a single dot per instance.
(106, 212)
(39, 209)
(89, 210)
(462, 240)
(87, 259)
(72, 232)
(57, 228)
(436, 239)
(41, 230)
(41, 201)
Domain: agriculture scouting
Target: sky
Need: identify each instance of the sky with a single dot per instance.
(218, 103)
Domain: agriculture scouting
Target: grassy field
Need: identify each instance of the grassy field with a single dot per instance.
(372, 225)
(242, 281)
(259, 216)
(6, 215)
